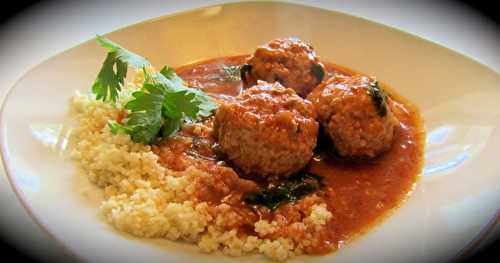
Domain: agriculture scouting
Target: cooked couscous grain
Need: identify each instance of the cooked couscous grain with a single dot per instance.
(148, 200)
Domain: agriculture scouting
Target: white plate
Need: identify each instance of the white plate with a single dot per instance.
(454, 203)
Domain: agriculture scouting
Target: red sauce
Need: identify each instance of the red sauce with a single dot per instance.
(211, 76)
(357, 194)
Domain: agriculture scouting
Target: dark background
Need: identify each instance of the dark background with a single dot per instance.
(487, 9)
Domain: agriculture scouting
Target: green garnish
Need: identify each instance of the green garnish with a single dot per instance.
(110, 79)
(379, 98)
(226, 73)
(162, 105)
(244, 70)
(318, 71)
(206, 104)
(145, 118)
(292, 190)
(232, 73)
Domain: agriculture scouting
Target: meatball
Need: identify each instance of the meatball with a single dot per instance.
(289, 61)
(268, 131)
(353, 112)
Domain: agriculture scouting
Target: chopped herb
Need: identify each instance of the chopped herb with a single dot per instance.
(162, 105)
(379, 98)
(293, 189)
(244, 70)
(318, 71)
(226, 73)
(232, 73)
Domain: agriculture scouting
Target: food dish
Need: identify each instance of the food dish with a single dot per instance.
(229, 164)
(401, 77)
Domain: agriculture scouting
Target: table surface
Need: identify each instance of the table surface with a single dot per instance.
(49, 28)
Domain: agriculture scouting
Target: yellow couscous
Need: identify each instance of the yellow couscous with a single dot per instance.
(147, 200)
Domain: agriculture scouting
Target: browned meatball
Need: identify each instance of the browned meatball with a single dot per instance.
(354, 114)
(267, 131)
(289, 61)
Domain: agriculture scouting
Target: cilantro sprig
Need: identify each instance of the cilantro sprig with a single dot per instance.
(162, 105)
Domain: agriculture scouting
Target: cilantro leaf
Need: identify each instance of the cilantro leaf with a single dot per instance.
(170, 127)
(206, 103)
(181, 105)
(118, 128)
(171, 76)
(144, 121)
(123, 54)
(111, 77)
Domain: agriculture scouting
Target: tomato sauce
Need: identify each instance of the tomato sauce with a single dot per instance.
(358, 194)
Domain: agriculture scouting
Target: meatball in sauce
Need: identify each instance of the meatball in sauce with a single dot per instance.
(288, 61)
(267, 131)
(354, 114)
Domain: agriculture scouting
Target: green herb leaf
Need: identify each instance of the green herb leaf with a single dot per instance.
(318, 72)
(145, 120)
(118, 128)
(231, 73)
(292, 190)
(170, 78)
(181, 105)
(123, 54)
(170, 127)
(379, 98)
(244, 71)
(206, 104)
(110, 79)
